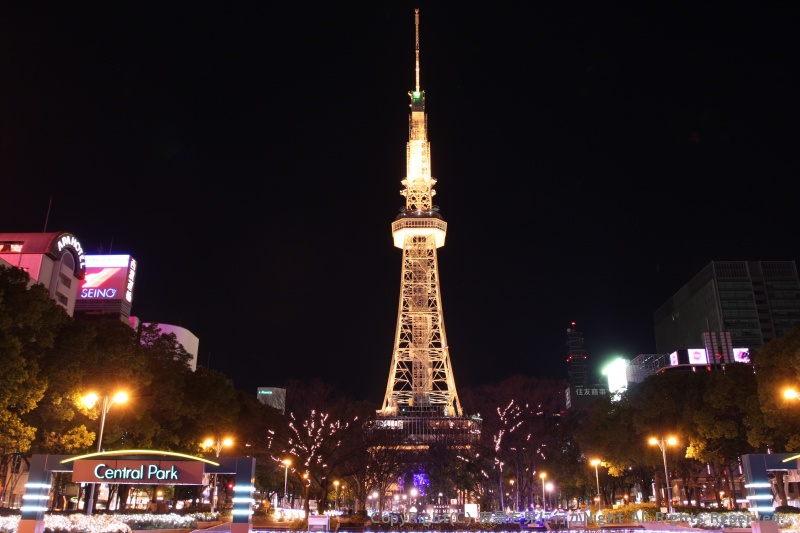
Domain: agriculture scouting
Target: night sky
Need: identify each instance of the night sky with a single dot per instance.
(590, 157)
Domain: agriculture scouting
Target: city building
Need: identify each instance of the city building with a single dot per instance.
(274, 397)
(580, 393)
(753, 302)
(56, 260)
(421, 397)
(576, 358)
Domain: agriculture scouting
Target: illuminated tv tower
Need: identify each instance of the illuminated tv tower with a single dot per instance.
(421, 380)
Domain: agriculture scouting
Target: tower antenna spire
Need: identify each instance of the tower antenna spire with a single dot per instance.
(416, 47)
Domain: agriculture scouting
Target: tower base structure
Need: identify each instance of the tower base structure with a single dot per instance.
(419, 431)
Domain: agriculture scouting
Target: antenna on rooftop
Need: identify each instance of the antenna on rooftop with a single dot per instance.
(416, 48)
(47, 216)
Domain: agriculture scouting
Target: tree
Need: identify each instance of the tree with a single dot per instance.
(776, 424)
(29, 325)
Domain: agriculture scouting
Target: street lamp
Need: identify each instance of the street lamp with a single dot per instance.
(595, 463)
(543, 475)
(217, 446)
(107, 401)
(550, 495)
(662, 443)
(791, 394)
(286, 463)
(511, 481)
(336, 497)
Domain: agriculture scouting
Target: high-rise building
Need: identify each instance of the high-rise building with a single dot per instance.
(421, 388)
(742, 304)
(576, 357)
(581, 392)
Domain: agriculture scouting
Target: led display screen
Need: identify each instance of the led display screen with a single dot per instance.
(698, 356)
(673, 359)
(741, 355)
(108, 277)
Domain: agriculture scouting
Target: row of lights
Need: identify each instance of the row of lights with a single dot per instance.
(662, 444)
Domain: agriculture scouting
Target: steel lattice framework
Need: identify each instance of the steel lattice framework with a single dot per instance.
(421, 379)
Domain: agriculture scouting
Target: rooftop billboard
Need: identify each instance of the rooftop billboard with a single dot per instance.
(108, 277)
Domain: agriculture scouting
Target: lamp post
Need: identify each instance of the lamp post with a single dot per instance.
(550, 495)
(543, 475)
(662, 443)
(107, 401)
(217, 446)
(336, 496)
(375, 500)
(511, 481)
(286, 463)
(595, 463)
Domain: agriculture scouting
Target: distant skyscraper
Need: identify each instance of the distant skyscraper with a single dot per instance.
(421, 385)
(730, 305)
(576, 358)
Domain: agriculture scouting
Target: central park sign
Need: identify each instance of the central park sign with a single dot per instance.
(142, 471)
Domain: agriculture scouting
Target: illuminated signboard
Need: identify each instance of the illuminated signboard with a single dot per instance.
(108, 277)
(741, 355)
(698, 356)
(150, 472)
(673, 359)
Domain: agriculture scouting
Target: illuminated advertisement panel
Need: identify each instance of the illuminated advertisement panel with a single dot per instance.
(673, 359)
(741, 355)
(108, 277)
(698, 356)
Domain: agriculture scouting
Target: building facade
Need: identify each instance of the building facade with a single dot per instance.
(753, 301)
(55, 260)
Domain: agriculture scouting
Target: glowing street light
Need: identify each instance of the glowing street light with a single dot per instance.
(107, 401)
(543, 475)
(336, 497)
(217, 446)
(662, 443)
(550, 494)
(286, 463)
(595, 463)
(791, 394)
(511, 481)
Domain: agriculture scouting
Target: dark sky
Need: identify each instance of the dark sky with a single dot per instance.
(591, 158)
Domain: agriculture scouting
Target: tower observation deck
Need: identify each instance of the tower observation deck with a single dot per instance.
(421, 395)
